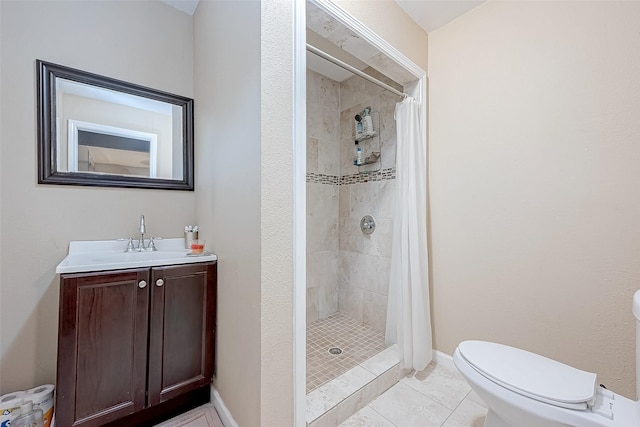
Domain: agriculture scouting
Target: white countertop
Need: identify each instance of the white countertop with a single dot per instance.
(99, 255)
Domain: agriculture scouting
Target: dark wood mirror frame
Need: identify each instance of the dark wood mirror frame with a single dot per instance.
(47, 144)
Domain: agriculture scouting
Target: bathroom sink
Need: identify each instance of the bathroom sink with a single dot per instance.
(138, 256)
(110, 255)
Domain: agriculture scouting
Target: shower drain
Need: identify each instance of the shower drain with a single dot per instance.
(335, 350)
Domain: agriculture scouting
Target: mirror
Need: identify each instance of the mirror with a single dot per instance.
(98, 131)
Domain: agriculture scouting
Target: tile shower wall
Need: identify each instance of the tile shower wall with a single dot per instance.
(347, 271)
(323, 132)
(365, 260)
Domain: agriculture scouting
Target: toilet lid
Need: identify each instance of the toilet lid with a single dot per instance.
(530, 374)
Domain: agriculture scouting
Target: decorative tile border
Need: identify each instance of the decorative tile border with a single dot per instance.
(381, 175)
(320, 178)
(356, 178)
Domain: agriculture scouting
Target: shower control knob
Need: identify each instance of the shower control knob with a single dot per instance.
(367, 224)
(159, 282)
(142, 284)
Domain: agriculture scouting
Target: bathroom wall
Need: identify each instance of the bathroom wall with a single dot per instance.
(243, 53)
(323, 177)
(228, 190)
(534, 181)
(392, 23)
(277, 213)
(124, 40)
(1, 193)
(365, 259)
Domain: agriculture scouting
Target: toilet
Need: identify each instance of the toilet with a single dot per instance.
(524, 389)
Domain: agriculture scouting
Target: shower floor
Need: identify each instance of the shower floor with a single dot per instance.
(357, 342)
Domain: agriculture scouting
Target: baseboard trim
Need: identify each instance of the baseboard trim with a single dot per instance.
(221, 409)
(443, 359)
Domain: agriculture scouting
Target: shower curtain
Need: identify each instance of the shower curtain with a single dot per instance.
(408, 313)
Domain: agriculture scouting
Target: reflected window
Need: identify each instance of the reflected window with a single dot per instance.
(98, 148)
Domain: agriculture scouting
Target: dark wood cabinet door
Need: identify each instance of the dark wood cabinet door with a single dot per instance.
(102, 346)
(182, 327)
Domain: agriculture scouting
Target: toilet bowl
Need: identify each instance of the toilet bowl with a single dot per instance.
(524, 389)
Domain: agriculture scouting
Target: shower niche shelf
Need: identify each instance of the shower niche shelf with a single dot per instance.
(370, 144)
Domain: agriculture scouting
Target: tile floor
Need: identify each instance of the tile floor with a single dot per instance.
(365, 386)
(340, 398)
(437, 396)
(357, 342)
(202, 416)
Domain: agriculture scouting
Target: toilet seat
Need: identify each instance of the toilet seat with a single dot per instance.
(531, 375)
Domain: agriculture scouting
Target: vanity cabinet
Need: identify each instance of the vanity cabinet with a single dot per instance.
(134, 344)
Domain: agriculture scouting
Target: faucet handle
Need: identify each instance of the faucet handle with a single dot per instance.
(152, 246)
(130, 247)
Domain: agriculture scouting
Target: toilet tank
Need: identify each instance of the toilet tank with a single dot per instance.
(636, 313)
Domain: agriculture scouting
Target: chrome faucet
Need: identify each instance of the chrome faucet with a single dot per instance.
(141, 235)
(141, 247)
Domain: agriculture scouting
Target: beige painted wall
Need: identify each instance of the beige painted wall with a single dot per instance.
(38, 221)
(1, 192)
(277, 233)
(228, 191)
(392, 23)
(245, 196)
(534, 181)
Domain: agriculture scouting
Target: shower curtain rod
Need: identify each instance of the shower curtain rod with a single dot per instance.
(354, 70)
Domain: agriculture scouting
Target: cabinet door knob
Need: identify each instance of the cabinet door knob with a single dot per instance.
(142, 284)
(159, 282)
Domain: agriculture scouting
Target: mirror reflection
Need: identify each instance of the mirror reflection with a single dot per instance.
(96, 151)
(100, 131)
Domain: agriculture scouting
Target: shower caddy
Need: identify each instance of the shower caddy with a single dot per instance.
(369, 143)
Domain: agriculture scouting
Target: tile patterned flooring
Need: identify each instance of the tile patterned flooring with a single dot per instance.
(358, 343)
(436, 397)
(202, 416)
(366, 387)
(340, 398)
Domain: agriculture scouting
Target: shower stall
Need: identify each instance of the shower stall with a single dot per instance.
(347, 268)
(354, 216)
